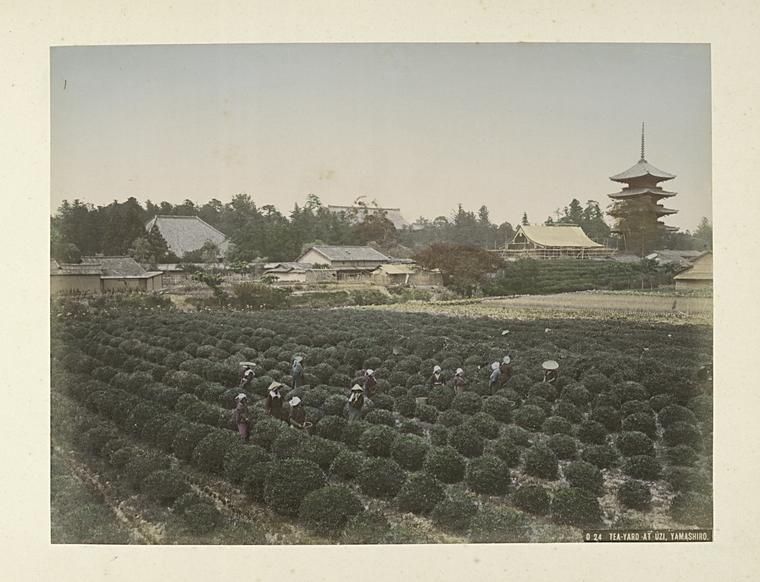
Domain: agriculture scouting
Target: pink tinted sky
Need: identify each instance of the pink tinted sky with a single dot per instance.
(518, 127)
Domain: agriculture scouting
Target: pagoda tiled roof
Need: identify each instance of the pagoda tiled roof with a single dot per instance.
(641, 169)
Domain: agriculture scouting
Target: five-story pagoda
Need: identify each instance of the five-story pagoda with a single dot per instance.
(637, 209)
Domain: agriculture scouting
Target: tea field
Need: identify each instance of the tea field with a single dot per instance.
(142, 429)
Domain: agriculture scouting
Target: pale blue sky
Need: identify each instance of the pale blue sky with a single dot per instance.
(518, 127)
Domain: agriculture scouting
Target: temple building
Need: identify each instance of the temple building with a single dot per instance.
(637, 207)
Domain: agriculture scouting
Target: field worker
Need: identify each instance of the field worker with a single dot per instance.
(494, 382)
(355, 403)
(459, 381)
(550, 371)
(240, 416)
(248, 375)
(436, 380)
(369, 383)
(297, 417)
(273, 401)
(506, 369)
(297, 371)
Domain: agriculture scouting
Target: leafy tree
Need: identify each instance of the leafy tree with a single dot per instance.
(703, 234)
(464, 267)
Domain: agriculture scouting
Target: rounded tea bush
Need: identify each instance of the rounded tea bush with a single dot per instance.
(557, 425)
(607, 416)
(576, 394)
(530, 417)
(488, 474)
(540, 461)
(533, 499)
(289, 444)
(320, 451)
(584, 475)
(353, 432)
(681, 455)
(634, 495)
(377, 440)
(406, 406)
(683, 479)
(455, 512)
(485, 424)
(573, 506)
(564, 446)
(636, 407)
(642, 467)
(467, 403)
(254, 479)
(542, 390)
(634, 443)
(426, 412)
(411, 427)
(202, 517)
(676, 413)
(682, 433)
(441, 398)
(603, 456)
(505, 448)
(381, 478)
(334, 405)
(692, 509)
(165, 485)
(519, 435)
(439, 435)
(498, 525)
(641, 422)
(409, 451)
(568, 410)
(660, 401)
(379, 416)
(289, 482)
(592, 432)
(368, 527)
(498, 407)
(451, 418)
(445, 464)
(331, 427)
(466, 440)
(327, 510)
(237, 460)
(346, 465)
(420, 494)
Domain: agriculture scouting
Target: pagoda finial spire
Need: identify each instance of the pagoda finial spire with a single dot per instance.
(642, 141)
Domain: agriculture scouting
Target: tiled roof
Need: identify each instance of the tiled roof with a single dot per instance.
(557, 236)
(640, 169)
(115, 266)
(350, 253)
(630, 192)
(184, 234)
(702, 269)
(392, 214)
(73, 269)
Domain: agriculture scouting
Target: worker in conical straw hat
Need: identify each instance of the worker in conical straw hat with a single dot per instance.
(550, 371)
(355, 403)
(297, 371)
(297, 416)
(436, 379)
(459, 381)
(273, 401)
(248, 374)
(506, 369)
(240, 416)
(494, 382)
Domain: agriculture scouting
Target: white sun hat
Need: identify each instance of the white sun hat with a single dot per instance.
(298, 359)
(248, 364)
(295, 401)
(370, 372)
(240, 396)
(506, 360)
(505, 332)
(495, 366)
(357, 388)
(274, 386)
(436, 368)
(550, 365)
(460, 371)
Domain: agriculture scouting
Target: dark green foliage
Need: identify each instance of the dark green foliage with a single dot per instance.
(420, 494)
(634, 443)
(686, 479)
(254, 479)
(636, 407)
(642, 467)
(603, 456)
(467, 403)
(441, 397)
(676, 413)
(377, 440)
(660, 401)
(381, 478)
(445, 464)
(353, 432)
(485, 424)
(564, 446)
(542, 390)
(541, 462)
(383, 402)
(519, 435)
(596, 382)
(451, 418)
(439, 435)
(607, 416)
(406, 406)
(498, 525)
(455, 512)
(378, 416)
(681, 455)
(466, 440)
(641, 422)
(584, 475)
(592, 432)
(320, 451)
(568, 410)
(498, 407)
(426, 413)
(556, 425)
(542, 403)
(411, 427)
(96, 438)
(368, 527)
(289, 482)
(208, 454)
(409, 451)
(165, 485)
(575, 506)
(692, 509)
(327, 510)
(346, 465)
(634, 495)
(488, 474)
(288, 444)
(505, 448)
(334, 405)
(682, 433)
(530, 417)
(186, 500)
(533, 499)
(331, 427)
(239, 458)
(576, 394)
(202, 517)
(265, 431)
(142, 464)
(702, 407)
